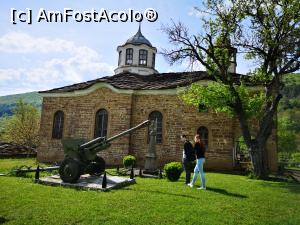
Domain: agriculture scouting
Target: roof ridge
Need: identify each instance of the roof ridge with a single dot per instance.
(134, 81)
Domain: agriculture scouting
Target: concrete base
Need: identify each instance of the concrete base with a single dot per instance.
(151, 163)
(151, 172)
(88, 182)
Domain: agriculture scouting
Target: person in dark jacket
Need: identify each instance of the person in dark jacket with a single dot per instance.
(188, 156)
(200, 155)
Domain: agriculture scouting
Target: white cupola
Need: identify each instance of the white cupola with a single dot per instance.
(137, 55)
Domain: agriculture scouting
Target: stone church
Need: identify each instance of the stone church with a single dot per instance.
(137, 92)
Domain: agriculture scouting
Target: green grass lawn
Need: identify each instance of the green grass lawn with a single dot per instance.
(293, 168)
(229, 199)
(7, 165)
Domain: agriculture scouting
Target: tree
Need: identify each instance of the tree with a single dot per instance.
(23, 126)
(268, 33)
(286, 136)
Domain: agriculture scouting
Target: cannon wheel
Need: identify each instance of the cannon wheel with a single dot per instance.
(70, 171)
(96, 167)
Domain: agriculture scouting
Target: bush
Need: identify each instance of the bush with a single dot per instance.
(296, 157)
(173, 170)
(284, 156)
(23, 126)
(129, 161)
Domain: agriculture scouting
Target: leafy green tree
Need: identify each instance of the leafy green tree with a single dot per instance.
(23, 126)
(286, 136)
(296, 157)
(3, 120)
(268, 32)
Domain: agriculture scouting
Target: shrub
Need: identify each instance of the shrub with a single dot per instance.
(284, 156)
(173, 170)
(129, 161)
(296, 157)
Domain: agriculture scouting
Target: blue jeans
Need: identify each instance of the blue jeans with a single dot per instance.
(199, 168)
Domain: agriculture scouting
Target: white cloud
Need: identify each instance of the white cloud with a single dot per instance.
(70, 64)
(10, 74)
(18, 42)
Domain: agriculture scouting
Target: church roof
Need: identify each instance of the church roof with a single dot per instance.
(131, 81)
(138, 39)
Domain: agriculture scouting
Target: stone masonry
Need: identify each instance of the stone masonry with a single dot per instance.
(127, 110)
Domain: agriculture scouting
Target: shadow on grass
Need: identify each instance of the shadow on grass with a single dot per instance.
(216, 190)
(3, 220)
(224, 192)
(161, 193)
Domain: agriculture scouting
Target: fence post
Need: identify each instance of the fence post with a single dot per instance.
(104, 181)
(131, 173)
(37, 173)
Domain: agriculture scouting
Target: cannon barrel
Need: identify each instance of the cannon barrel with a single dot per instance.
(143, 124)
(93, 142)
(81, 157)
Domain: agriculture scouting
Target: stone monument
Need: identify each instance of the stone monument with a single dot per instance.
(151, 158)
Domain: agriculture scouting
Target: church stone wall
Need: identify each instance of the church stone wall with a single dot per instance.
(79, 121)
(178, 119)
(127, 110)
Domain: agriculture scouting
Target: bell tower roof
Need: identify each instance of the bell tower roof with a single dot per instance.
(138, 39)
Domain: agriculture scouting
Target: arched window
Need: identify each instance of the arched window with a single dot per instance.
(157, 117)
(101, 123)
(58, 125)
(129, 56)
(143, 57)
(203, 132)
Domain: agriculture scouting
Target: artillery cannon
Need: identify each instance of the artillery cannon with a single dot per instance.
(81, 156)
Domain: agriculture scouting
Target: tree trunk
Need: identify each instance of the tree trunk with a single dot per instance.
(257, 158)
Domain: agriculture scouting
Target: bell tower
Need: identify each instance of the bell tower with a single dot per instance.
(137, 55)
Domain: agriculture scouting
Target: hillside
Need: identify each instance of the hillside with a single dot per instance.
(289, 116)
(7, 103)
(291, 93)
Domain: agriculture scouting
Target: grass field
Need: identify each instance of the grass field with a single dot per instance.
(229, 199)
(7, 165)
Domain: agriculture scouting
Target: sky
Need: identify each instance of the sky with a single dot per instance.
(42, 56)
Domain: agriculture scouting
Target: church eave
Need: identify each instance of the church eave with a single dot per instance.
(170, 91)
(137, 44)
(129, 82)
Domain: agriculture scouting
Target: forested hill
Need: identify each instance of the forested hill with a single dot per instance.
(291, 94)
(7, 103)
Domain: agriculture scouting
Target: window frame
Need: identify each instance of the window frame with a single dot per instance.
(159, 129)
(153, 60)
(129, 56)
(58, 124)
(104, 124)
(120, 55)
(143, 57)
